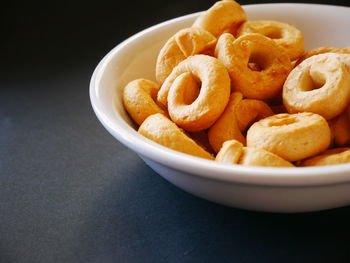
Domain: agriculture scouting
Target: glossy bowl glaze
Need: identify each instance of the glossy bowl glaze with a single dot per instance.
(254, 188)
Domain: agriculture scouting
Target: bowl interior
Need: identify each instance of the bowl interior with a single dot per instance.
(136, 57)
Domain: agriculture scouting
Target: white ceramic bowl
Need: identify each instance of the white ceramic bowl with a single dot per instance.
(254, 188)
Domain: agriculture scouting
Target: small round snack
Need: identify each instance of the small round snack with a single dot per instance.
(212, 98)
(226, 127)
(223, 16)
(320, 84)
(186, 42)
(230, 152)
(284, 35)
(322, 50)
(329, 157)
(260, 157)
(249, 111)
(139, 99)
(291, 136)
(233, 152)
(239, 114)
(160, 129)
(257, 66)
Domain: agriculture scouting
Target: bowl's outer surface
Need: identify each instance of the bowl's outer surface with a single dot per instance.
(256, 188)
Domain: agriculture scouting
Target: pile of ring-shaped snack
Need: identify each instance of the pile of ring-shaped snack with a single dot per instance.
(244, 92)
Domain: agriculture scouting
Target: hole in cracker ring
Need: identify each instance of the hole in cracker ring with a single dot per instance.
(291, 136)
(223, 16)
(139, 99)
(226, 127)
(322, 50)
(184, 43)
(320, 84)
(284, 35)
(160, 129)
(329, 157)
(272, 62)
(233, 152)
(205, 109)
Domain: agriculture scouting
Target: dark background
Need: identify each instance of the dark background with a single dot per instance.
(69, 192)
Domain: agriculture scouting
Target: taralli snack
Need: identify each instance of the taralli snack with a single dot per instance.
(234, 152)
(249, 111)
(226, 127)
(260, 157)
(271, 64)
(230, 152)
(186, 42)
(320, 84)
(284, 35)
(239, 114)
(160, 129)
(329, 157)
(322, 50)
(139, 99)
(341, 128)
(223, 16)
(291, 136)
(205, 109)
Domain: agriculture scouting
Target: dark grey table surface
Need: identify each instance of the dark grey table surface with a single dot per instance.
(69, 192)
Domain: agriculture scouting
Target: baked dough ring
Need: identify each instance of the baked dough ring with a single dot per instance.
(233, 152)
(248, 111)
(284, 35)
(238, 116)
(184, 43)
(273, 63)
(230, 152)
(213, 95)
(291, 136)
(322, 50)
(160, 129)
(226, 127)
(139, 99)
(329, 157)
(320, 84)
(223, 16)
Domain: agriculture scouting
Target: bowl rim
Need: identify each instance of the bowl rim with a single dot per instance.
(228, 173)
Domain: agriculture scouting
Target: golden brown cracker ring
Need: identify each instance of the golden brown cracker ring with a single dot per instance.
(184, 43)
(139, 99)
(233, 152)
(226, 127)
(248, 111)
(230, 152)
(284, 35)
(256, 49)
(213, 95)
(160, 129)
(238, 116)
(260, 157)
(223, 16)
(320, 84)
(291, 136)
(329, 157)
(322, 50)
